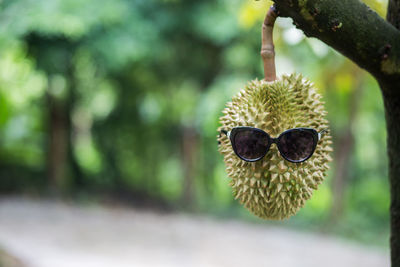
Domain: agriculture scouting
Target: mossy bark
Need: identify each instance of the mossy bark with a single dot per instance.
(356, 31)
(391, 96)
(352, 28)
(393, 14)
(392, 110)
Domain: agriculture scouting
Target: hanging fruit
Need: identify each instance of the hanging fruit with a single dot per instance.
(274, 139)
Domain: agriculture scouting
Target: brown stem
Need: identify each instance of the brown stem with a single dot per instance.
(267, 47)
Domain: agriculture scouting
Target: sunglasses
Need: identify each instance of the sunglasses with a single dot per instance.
(295, 145)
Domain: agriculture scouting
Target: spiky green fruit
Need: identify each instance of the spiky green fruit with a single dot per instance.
(274, 188)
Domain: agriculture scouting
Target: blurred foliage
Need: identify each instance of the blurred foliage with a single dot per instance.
(142, 85)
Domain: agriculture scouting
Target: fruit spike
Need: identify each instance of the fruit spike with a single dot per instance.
(274, 188)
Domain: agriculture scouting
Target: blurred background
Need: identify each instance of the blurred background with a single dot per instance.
(116, 103)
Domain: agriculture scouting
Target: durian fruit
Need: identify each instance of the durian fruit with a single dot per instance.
(273, 188)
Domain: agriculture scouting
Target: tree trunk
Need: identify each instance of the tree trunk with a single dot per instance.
(391, 99)
(344, 149)
(77, 175)
(57, 146)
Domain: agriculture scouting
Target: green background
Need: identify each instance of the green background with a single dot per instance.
(137, 88)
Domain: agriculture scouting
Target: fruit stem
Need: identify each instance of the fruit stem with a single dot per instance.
(267, 47)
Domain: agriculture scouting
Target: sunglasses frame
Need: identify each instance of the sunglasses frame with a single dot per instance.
(232, 133)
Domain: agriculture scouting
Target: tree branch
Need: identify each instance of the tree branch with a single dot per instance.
(352, 28)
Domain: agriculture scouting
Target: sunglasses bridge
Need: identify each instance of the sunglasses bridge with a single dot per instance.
(274, 140)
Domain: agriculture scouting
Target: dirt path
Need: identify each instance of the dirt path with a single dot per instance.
(45, 234)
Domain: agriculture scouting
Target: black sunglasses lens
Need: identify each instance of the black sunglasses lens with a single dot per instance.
(296, 145)
(250, 144)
